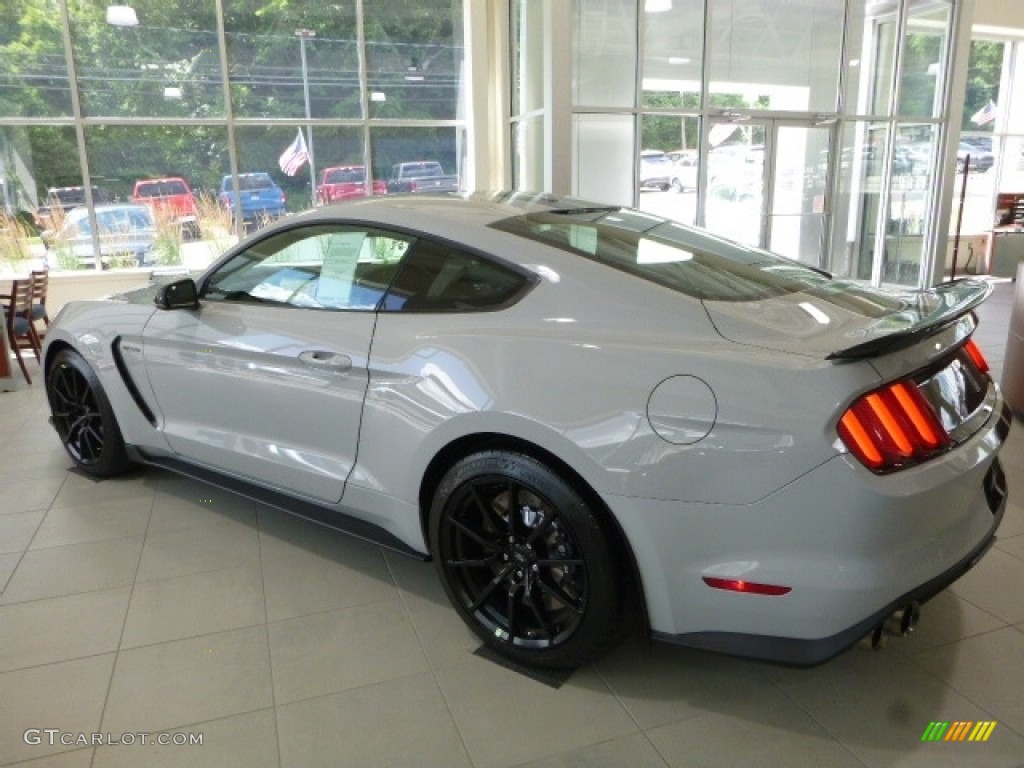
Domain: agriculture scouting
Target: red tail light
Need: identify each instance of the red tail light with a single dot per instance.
(892, 427)
(976, 357)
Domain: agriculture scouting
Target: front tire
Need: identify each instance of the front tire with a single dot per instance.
(524, 560)
(83, 417)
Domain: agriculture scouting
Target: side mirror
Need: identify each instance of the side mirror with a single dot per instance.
(181, 294)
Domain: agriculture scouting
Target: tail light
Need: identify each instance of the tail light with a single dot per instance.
(908, 421)
(977, 358)
(892, 427)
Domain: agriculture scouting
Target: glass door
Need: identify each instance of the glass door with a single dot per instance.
(766, 185)
(798, 210)
(734, 196)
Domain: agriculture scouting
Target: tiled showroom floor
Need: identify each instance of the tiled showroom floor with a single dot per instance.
(155, 604)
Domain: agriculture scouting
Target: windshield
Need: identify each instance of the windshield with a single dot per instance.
(419, 170)
(162, 189)
(261, 181)
(345, 175)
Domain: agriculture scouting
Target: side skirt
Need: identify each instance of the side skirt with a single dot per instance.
(316, 513)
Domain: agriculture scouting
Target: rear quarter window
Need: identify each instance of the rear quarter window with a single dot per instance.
(438, 277)
(683, 259)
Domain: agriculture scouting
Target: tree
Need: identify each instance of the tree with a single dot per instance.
(984, 70)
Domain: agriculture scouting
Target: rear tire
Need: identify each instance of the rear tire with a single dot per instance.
(524, 560)
(83, 417)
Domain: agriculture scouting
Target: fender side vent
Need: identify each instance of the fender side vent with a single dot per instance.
(129, 383)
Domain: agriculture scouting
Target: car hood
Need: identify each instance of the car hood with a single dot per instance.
(845, 320)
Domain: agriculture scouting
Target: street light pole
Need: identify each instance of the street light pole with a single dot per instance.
(303, 35)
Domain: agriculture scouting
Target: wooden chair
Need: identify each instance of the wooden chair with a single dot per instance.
(40, 287)
(21, 333)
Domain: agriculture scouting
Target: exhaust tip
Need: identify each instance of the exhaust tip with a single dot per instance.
(908, 620)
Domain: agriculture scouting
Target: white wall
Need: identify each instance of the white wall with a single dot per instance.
(999, 13)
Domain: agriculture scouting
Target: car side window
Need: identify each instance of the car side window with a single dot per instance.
(437, 277)
(314, 267)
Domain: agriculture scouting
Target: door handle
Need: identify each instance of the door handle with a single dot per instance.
(322, 360)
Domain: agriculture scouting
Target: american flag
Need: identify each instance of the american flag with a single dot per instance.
(295, 156)
(985, 115)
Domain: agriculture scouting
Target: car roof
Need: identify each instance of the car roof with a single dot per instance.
(468, 218)
(159, 179)
(410, 211)
(82, 212)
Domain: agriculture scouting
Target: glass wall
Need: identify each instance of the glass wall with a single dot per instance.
(810, 127)
(528, 78)
(160, 105)
(990, 149)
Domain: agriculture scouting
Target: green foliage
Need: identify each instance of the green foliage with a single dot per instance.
(668, 132)
(984, 69)
(15, 237)
(169, 66)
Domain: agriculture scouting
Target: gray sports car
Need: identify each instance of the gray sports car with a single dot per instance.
(580, 412)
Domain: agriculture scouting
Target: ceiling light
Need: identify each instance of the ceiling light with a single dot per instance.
(657, 6)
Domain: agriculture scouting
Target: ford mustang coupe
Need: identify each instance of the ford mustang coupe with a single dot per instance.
(581, 413)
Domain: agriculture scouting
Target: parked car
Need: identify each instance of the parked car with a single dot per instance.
(172, 197)
(579, 411)
(344, 182)
(421, 176)
(59, 200)
(126, 233)
(259, 196)
(980, 159)
(655, 170)
(983, 143)
(684, 169)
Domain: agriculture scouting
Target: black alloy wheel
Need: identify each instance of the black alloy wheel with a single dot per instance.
(525, 562)
(83, 418)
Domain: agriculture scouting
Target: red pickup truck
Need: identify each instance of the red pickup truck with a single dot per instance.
(171, 196)
(342, 182)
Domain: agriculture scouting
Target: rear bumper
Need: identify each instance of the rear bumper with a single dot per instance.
(808, 652)
(852, 548)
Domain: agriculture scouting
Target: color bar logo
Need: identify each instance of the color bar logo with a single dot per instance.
(959, 730)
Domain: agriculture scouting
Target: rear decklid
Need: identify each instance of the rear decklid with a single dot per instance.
(842, 320)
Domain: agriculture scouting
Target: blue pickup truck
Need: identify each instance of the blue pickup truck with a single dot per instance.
(260, 197)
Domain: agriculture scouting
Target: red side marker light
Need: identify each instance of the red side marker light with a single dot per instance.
(748, 587)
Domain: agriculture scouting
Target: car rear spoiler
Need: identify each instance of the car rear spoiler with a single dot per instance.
(925, 314)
